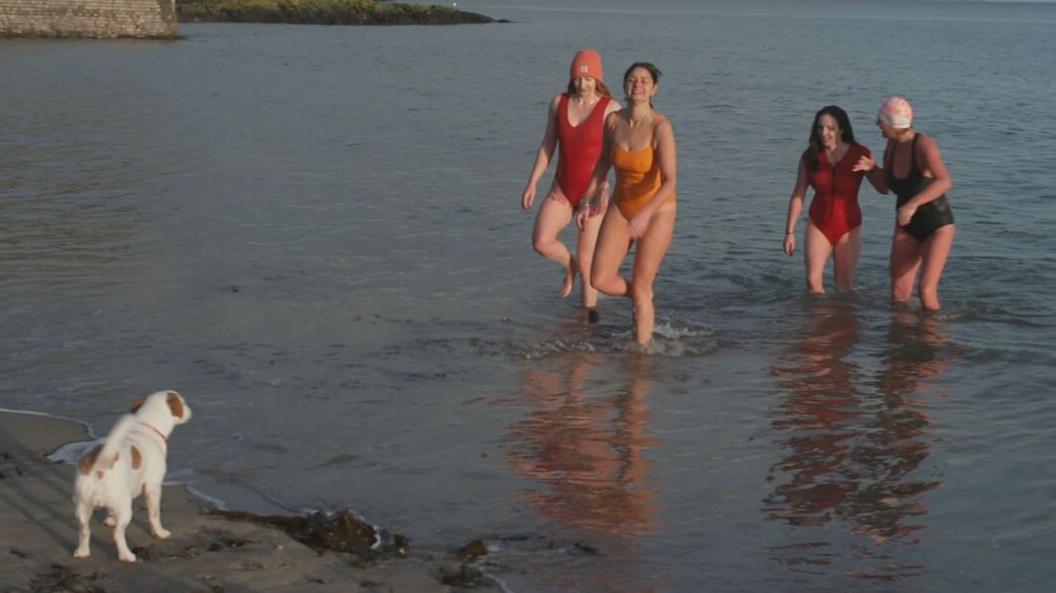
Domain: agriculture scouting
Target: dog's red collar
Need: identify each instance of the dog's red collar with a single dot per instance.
(164, 438)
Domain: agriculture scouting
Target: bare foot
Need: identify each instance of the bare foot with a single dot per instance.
(591, 316)
(570, 281)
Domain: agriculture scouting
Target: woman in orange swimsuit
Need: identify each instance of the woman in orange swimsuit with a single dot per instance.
(640, 144)
(574, 123)
(834, 223)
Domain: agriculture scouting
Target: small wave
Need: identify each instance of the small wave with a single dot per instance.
(338, 460)
(71, 453)
(1038, 318)
(668, 340)
(543, 349)
(213, 501)
(87, 427)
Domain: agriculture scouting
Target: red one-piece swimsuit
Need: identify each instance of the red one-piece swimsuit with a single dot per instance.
(579, 149)
(834, 209)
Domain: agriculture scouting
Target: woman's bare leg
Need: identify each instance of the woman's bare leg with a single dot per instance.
(816, 252)
(845, 257)
(649, 253)
(905, 261)
(936, 251)
(554, 214)
(588, 240)
(613, 243)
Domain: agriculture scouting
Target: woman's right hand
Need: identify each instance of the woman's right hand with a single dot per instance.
(528, 197)
(790, 243)
(865, 164)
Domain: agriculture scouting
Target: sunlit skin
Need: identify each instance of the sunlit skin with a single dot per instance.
(909, 256)
(586, 447)
(817, 248)
(556, 211)
(584, 456)
(635, 127)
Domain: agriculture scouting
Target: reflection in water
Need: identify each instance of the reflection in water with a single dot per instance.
(583, 444)
(851, 453)
(820, 412)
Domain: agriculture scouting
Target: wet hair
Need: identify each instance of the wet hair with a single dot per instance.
(815, 146)
(654, 73)
(599, 87)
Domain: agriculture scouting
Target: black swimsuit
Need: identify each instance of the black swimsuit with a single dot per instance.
(928, 217)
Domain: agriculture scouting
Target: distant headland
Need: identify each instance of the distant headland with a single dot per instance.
(323, 12)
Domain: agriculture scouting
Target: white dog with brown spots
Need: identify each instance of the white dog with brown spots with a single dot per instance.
(131, 462)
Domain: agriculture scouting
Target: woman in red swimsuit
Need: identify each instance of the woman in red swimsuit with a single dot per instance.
(574, 123)
(834, 222)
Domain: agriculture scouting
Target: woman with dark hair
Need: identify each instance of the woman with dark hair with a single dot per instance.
(640, 145)
(834, 222)
(574, 124)
(924, 229)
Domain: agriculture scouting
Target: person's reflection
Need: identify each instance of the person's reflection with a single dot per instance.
(584, 445)
(816, 420)
(898, 443)
(851, 453)
(586, 448)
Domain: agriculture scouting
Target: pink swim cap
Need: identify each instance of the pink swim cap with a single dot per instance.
(896, 112)
(586, 63)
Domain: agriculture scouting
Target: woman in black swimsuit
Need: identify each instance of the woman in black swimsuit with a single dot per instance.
(924, 231)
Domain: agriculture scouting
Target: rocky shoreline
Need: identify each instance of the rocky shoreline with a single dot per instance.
(323, 12)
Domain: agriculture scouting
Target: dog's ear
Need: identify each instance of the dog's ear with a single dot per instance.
(136, 405)
(175, 404)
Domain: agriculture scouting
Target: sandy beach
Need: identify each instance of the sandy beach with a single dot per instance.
(205, 553)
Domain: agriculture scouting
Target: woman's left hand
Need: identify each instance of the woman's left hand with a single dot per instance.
(638, 224)
(905, 214)
(582, 215)
(598, 205)
(865, 164)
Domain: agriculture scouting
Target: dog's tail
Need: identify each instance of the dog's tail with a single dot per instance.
(103, 457)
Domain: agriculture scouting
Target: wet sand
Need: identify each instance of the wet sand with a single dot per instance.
(205, 553)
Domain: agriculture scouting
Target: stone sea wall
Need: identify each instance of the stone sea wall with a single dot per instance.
(88, 18)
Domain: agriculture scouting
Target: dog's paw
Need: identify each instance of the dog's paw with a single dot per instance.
(162, 533)
(82, 552)
(109, 521)
(129, 557)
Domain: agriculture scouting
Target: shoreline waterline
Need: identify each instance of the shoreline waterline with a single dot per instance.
(211, 551)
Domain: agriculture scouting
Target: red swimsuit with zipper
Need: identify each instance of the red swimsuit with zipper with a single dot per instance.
(834, 210)
(579, 149)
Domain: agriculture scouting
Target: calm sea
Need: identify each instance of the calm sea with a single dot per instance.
(314, 234)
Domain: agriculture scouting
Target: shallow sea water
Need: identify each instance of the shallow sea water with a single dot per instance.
(314, 234)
